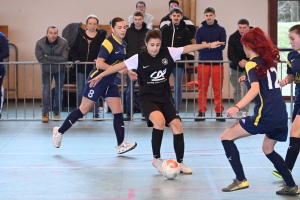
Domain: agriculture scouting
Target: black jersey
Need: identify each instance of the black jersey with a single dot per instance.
(293, 68)
(154, 73)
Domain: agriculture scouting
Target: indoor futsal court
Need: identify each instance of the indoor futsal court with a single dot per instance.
(86, 166)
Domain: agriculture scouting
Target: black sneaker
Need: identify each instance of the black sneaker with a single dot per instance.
(127, 117)
(220, 119)
(291, 191)
(200, 115)
(143, 118)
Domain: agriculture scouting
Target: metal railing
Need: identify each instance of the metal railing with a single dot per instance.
(24, 102)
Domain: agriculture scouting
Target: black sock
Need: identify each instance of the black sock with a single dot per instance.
(281, 167)
(71, 119)
(157, 136)
(233, 157)
(292, 152)
(119, 127)
(178, 142)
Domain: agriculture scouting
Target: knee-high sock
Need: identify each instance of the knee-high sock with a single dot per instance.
(157, 136)
(119, 127)
(71, 119)
(233, 157)
(281, 167)
(292, 152)
(178, 142)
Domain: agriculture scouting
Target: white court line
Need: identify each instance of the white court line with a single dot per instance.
(131, 154)
(130, 168)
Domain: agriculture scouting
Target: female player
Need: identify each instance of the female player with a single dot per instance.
(293, 74)
(154, 68)
(85, 49)
(112, 51)
(270, 116)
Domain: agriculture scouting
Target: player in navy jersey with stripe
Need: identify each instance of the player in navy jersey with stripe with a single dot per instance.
(112, 51)
(293, 74)
(154, 68)
(270, 116)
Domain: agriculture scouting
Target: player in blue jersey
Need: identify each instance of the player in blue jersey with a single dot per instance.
(293, 74)
(112, 51)
(154, 67)
(270, 116)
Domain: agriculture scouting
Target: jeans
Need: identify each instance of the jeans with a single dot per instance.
(239, 91)
(81, 81)
(178, 75)
(58, 97)
(127, 94)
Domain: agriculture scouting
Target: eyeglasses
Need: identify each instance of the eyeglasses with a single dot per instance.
(141, 6)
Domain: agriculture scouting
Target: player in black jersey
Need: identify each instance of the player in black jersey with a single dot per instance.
(154, 68)
(293, 74)
(270, 116)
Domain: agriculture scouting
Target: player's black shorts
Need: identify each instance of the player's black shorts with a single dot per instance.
(167, 109)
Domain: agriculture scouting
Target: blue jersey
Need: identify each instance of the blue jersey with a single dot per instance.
(293, 68)
(113, 52)
(269, 108)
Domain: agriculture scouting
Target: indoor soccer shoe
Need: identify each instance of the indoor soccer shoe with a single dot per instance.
(236, 185)
(277, 174)
(184, 169)
(157, 163)
(56, 137)
(291, 191)
(125, 147)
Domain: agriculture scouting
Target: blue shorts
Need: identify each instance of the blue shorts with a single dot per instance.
(167, 109)
(101, 89)
(275, 131)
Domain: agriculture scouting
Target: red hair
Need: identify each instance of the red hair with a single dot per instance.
(261, 44)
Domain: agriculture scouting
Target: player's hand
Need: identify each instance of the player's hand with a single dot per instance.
(123, 71)
(132, 75)
(93, 82)
(216, 44)
(283, 82)
(242, 80)
(231, 112)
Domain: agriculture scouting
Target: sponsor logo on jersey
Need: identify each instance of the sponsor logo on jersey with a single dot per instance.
(116, 52)
(145, 66)
(164, 61)
(158, 75)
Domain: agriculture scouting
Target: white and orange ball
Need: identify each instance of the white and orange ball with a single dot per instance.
(171, 168)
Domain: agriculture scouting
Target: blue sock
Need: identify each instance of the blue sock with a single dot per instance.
(157, 136)
(178, 142)
(233, 157)
(119, 127)
(71, 119)
(292, 152)
(281, 167)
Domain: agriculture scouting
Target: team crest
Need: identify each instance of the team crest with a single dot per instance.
(164, 61)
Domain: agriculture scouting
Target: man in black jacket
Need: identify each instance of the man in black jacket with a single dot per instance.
(134, 38)
(238, 60)
(176, 34)
(167, 20)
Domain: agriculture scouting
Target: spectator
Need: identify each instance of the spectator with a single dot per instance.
(167, 20)
(238, 60)
(210, 31)
(85, 48)
(148, 18)
(52, 49)
(176, 35)
(4, 53)
(134, 38)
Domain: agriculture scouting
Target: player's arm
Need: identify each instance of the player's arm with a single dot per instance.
(108, 71)
(288, 79)
(196, 47)
(101, 64)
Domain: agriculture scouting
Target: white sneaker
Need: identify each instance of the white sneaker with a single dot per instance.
(57, 137)
(157, 163)
(184, 169)
(125, 147)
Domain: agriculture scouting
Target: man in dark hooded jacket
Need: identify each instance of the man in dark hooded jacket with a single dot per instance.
(176, 34)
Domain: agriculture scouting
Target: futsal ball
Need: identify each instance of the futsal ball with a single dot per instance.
(171, 168)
